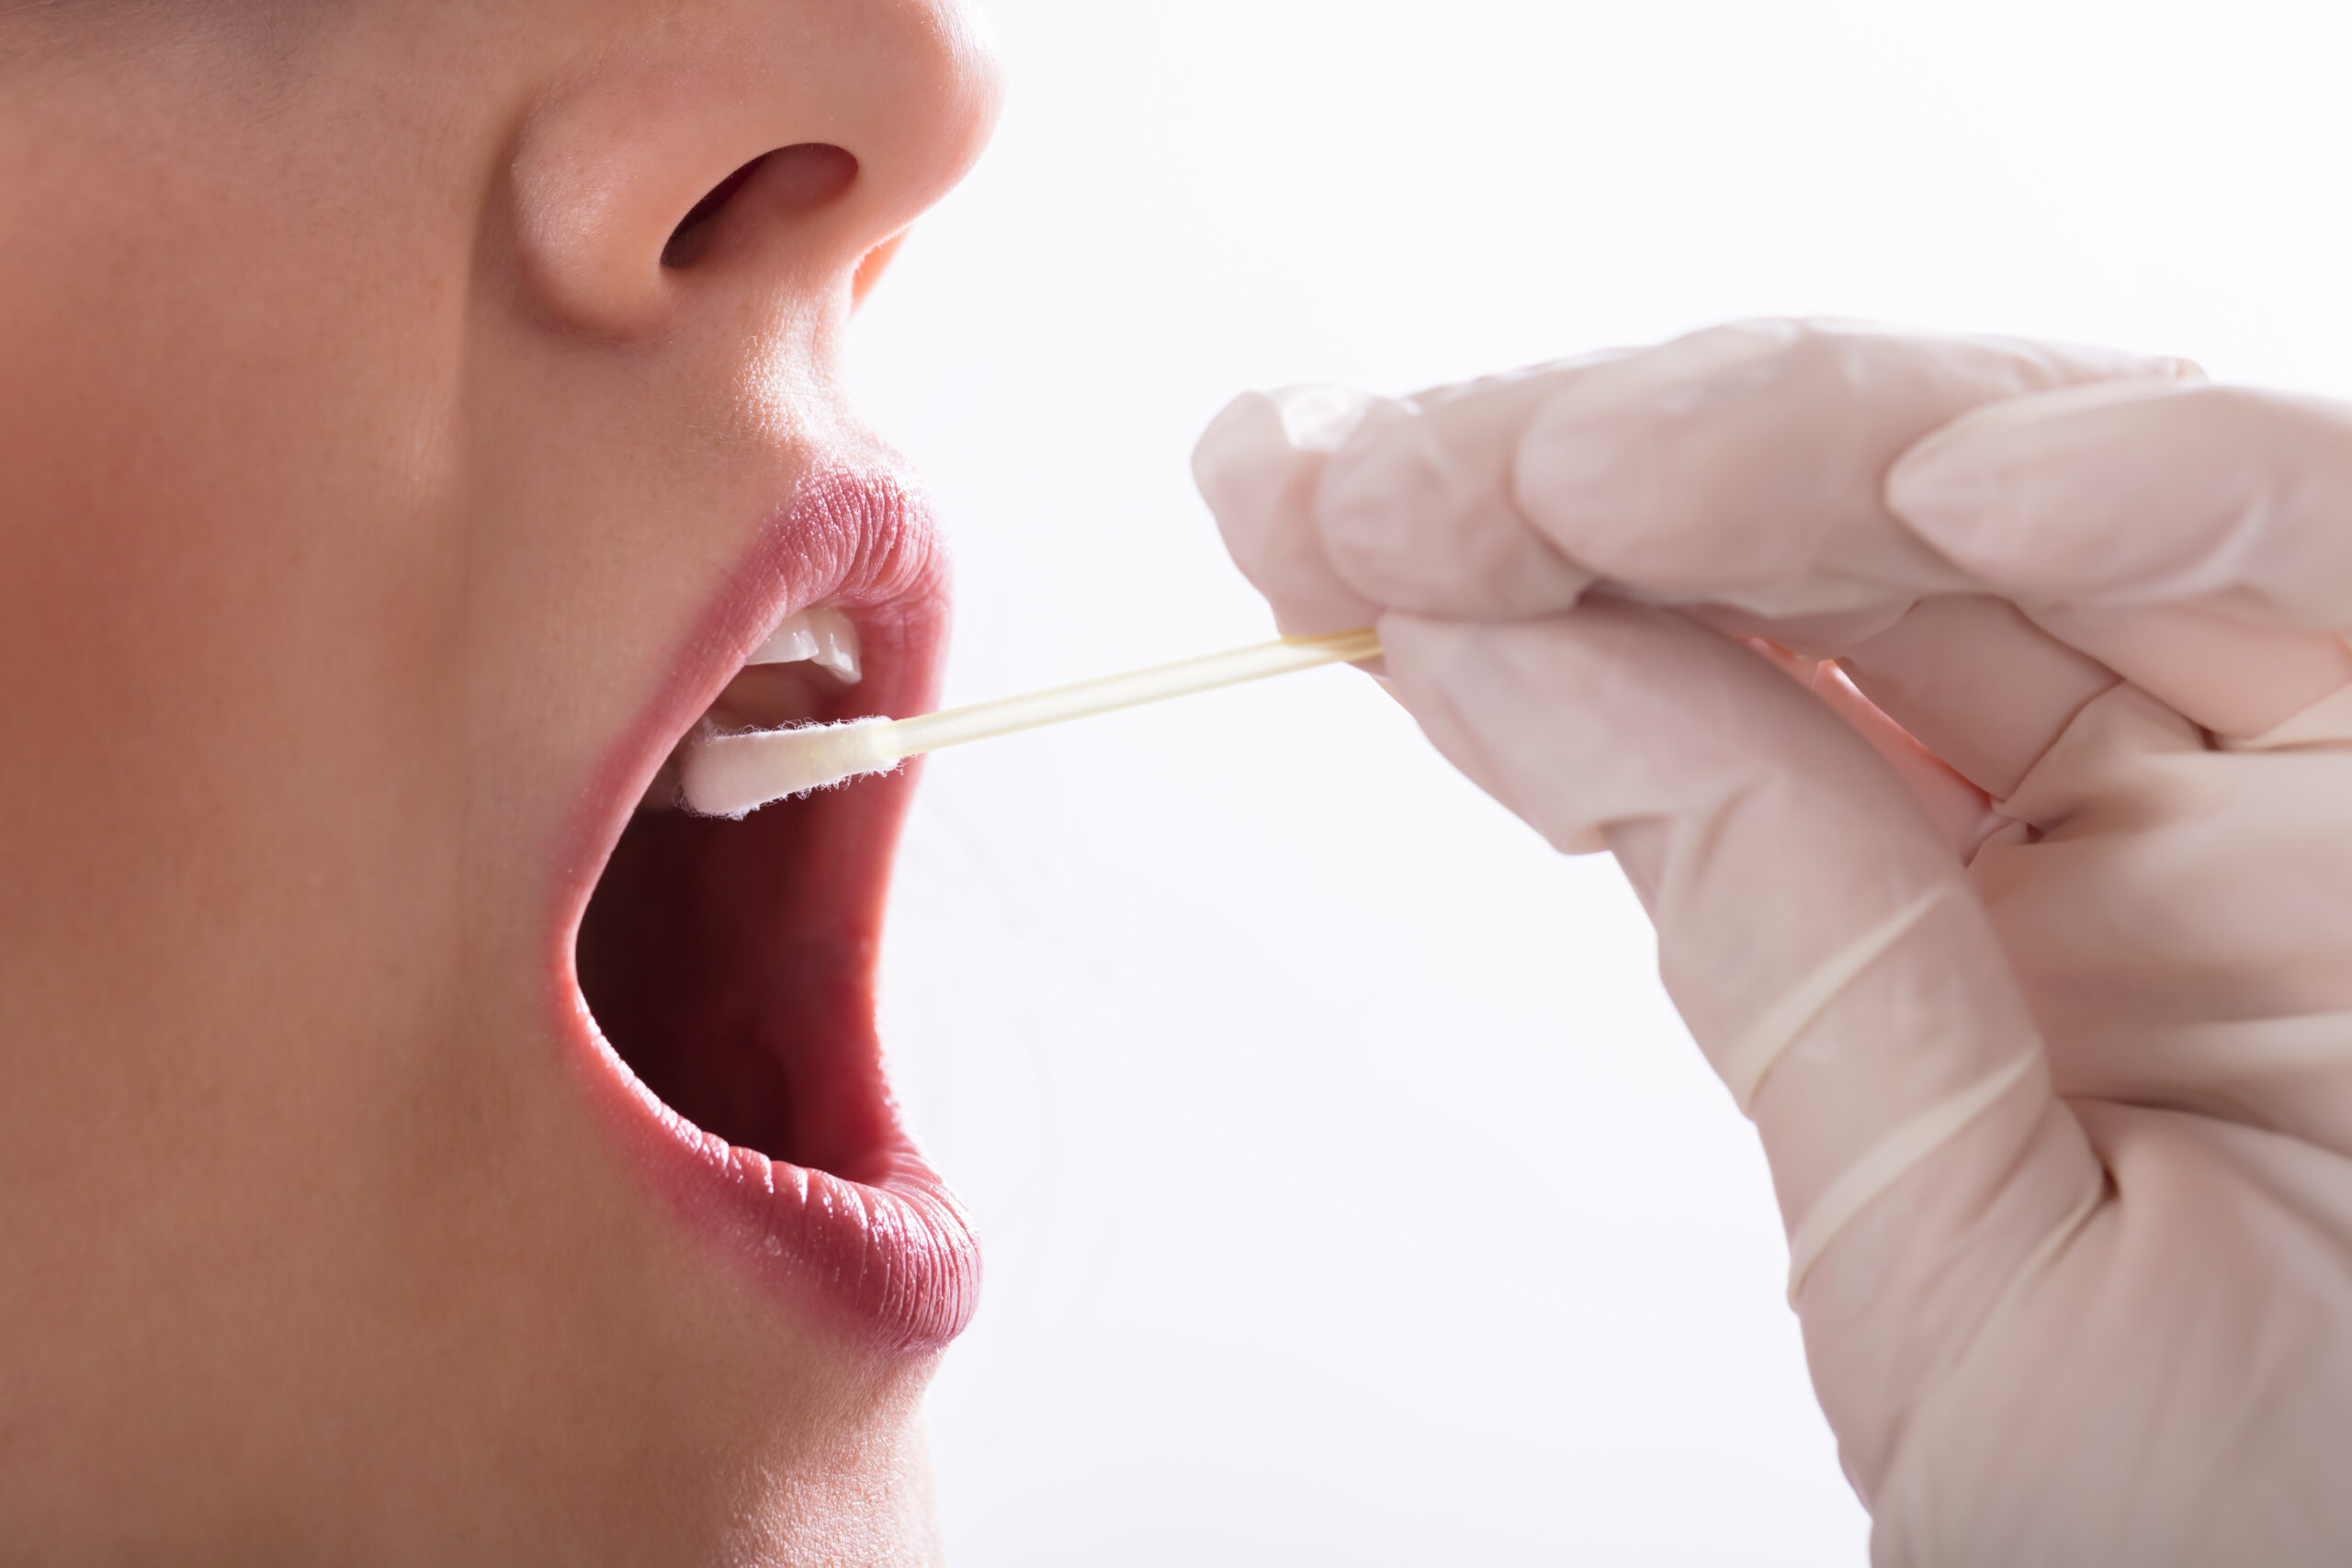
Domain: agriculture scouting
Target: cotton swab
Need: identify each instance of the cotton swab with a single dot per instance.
(726, 775)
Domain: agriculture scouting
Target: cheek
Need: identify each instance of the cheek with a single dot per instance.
(232, 570)
(227, 434)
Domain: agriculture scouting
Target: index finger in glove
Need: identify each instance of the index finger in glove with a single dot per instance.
(1744, 465)
(1257, 465)
(1263, 466)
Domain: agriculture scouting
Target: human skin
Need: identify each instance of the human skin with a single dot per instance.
(366, 487)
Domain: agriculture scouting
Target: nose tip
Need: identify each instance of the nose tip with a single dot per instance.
(745, 142)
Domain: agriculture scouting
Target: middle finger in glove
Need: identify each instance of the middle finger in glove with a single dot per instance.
(1743, 466)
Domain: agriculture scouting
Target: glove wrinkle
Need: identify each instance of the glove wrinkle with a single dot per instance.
(2326, 725)
(1915, 1432)
(1744, 1065)
(2230, 677)
(1978, 683)
(2290, 1075)
(1889, 1160)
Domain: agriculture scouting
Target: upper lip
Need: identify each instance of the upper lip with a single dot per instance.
(863, 1225)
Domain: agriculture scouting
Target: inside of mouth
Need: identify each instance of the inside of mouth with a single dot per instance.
(729, 963)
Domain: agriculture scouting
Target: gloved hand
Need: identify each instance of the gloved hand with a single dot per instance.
(2033, 969)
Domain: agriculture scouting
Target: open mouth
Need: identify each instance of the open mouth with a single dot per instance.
(728, 966)
(722, 972)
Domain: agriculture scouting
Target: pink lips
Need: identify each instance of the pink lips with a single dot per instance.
(866, 1229)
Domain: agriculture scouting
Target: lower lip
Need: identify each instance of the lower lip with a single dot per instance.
(893, 1258)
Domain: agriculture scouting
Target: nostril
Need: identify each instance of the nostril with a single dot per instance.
(807, 176)
(790, 179)
(686, 240)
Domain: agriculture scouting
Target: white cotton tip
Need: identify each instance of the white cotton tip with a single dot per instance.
(728, 775)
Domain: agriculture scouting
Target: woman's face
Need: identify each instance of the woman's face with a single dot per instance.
(399, 454)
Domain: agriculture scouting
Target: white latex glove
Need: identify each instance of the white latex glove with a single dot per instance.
(2044, 1008)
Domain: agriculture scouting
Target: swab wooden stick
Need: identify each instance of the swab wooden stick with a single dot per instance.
(726, 775)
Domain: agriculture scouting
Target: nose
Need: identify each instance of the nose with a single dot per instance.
(734, 146)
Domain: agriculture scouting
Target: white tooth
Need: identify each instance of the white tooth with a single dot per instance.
(837, 648)
(788, 644)
(820, 634)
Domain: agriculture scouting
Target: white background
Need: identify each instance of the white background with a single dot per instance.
(1351, 1193)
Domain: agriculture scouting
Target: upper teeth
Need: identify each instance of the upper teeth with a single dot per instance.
(822, 635)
